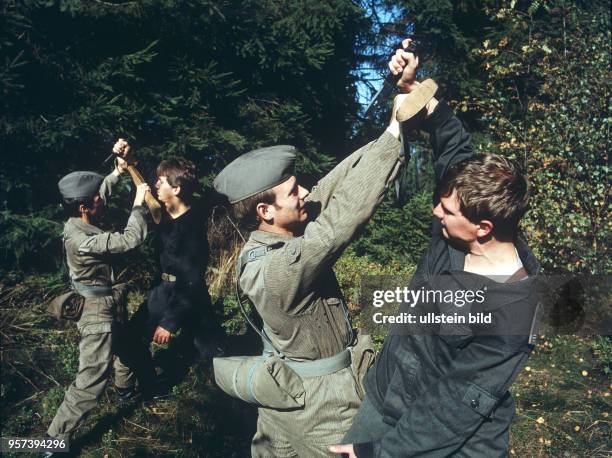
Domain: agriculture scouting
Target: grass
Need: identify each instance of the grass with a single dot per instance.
(562, 398)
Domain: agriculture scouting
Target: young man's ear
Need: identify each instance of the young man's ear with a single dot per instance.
(176, 190)
(485, 228)
(265, 212)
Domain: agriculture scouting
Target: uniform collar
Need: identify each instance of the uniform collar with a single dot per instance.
(269, 238)
(81, 225)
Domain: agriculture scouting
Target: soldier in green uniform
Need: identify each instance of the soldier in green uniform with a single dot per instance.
(87, 250)
(286, 273)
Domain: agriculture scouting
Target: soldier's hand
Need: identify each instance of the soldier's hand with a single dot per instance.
(141, 190)
(122, 148)
(394, 127)
(161, 336)
(405, 63)
(121, 165)
(346, 450)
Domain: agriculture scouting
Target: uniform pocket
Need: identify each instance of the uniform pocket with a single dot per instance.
(97, 317)
(479, 400)
(95, 328)
(262, 380)
(362, 358)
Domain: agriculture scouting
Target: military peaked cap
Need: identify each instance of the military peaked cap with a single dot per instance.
(80, 185)
(255, 172)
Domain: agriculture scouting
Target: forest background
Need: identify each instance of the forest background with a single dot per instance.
(210, 80)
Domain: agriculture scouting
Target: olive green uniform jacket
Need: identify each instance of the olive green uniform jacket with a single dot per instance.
(295, 290)
(87, 255)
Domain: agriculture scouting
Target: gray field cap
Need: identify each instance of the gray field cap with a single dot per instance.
(80, 185)
(255, 172)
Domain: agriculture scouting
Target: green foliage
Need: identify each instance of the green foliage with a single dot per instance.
(50, 403)
(562, 399)
(549, 108)
(22, 423)
(29, 241)
(398, 234)
(351, 267)
(233, 320)
(602, 350)
(204, 79)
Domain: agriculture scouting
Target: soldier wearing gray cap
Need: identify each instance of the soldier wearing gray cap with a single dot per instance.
(285, 271)
(87, 249)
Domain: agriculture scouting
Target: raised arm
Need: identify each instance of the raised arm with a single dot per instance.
(449, 140)
(327, 186)
(300, 261)
(106, 188)
(133, 235)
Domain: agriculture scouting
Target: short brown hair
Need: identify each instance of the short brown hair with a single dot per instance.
(180, 172)
(490, 187)
(245, 211)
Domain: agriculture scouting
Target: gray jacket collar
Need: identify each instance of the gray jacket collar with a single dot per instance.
(269, 238)
(81, 225)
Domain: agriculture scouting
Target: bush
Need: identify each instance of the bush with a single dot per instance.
(30, 241)
(397, 234)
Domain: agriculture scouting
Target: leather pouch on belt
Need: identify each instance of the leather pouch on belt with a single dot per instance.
(67, 306)
(262, 380)
(362, 356)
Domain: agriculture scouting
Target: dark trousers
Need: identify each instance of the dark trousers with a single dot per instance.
(368, 425)
(200, 337)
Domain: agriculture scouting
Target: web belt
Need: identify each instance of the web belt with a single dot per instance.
(92, 290)
(318, 367)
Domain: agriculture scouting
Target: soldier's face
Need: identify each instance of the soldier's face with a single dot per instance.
(95, 209)
(289, 210)
(455, 226)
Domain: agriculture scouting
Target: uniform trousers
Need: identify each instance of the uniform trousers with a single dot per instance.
(331, 402)
(98, 329)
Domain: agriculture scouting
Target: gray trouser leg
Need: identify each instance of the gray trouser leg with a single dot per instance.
(268, 441)
(95, 361)
(124, 377)
(331, 401)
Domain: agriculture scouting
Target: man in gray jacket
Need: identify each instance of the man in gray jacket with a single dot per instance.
(87, 250)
